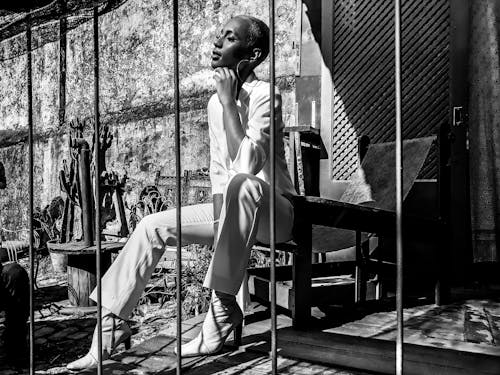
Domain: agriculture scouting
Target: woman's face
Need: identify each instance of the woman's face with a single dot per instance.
(230, 45)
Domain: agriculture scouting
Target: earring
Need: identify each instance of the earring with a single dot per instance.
(238, 68)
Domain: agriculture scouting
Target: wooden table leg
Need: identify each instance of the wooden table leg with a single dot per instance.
(82, 277)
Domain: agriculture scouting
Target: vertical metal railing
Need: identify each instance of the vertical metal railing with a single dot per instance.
(97, 168)
(399, 194)
(63, 26)
(178, 185)
(272, 198)
(30, 208)
(178, 263)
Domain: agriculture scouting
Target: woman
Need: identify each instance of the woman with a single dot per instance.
(239, 126)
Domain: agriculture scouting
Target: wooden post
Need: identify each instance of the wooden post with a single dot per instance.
(442, 286)
(359, 273)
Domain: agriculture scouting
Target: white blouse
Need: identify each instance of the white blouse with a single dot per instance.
(253, 154)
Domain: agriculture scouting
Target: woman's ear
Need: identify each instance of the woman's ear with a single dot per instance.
(255, 55)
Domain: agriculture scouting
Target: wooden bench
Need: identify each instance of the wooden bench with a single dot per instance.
(377, 218)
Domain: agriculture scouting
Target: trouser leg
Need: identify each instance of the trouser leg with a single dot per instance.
(14, 294)
(244, 219)
(125, 280)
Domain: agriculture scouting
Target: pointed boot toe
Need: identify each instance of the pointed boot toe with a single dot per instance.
(85, 363)
(194, 348)
(112, 336)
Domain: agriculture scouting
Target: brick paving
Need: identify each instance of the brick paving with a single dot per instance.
(471, 321)
(63, 334)
(62, 337)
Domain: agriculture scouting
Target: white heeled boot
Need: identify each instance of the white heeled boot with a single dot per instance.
(223, 316)
(114, 332)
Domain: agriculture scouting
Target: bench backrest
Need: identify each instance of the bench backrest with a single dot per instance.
(374, 182)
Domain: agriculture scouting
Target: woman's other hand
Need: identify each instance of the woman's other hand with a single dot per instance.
(226, 84)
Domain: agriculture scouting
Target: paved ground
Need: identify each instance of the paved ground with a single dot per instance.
(63, 334)
(468, 321)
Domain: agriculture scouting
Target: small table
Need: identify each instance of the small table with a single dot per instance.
(82, 267)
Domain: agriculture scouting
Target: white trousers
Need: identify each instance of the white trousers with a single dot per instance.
(244, 219)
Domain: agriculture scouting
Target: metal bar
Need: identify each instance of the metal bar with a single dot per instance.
(272, 200)
(399, 190)
(97, 168)
(62, 65)
(178, 263)
(30, 207)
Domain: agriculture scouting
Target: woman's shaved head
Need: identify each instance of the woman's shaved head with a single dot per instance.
(258, 35)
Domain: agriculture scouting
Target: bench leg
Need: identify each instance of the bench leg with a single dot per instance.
(442, 288)
(361, 274)
(301, 274)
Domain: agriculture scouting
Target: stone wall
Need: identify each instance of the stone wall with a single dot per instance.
(136, 92)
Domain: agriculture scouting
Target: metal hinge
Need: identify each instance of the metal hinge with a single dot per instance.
(458, 116)
(460, 119)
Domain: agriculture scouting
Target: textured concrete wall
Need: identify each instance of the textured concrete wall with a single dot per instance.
(136, 92)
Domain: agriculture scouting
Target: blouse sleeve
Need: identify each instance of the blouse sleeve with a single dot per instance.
(218, 173)
(254, 148)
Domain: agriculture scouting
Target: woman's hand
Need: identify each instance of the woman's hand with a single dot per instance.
(226, 84)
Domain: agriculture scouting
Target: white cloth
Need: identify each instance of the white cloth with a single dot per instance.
(244, 218)
(253, 153)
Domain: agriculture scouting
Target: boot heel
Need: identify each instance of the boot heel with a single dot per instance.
(127, 343)
(238, 333)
